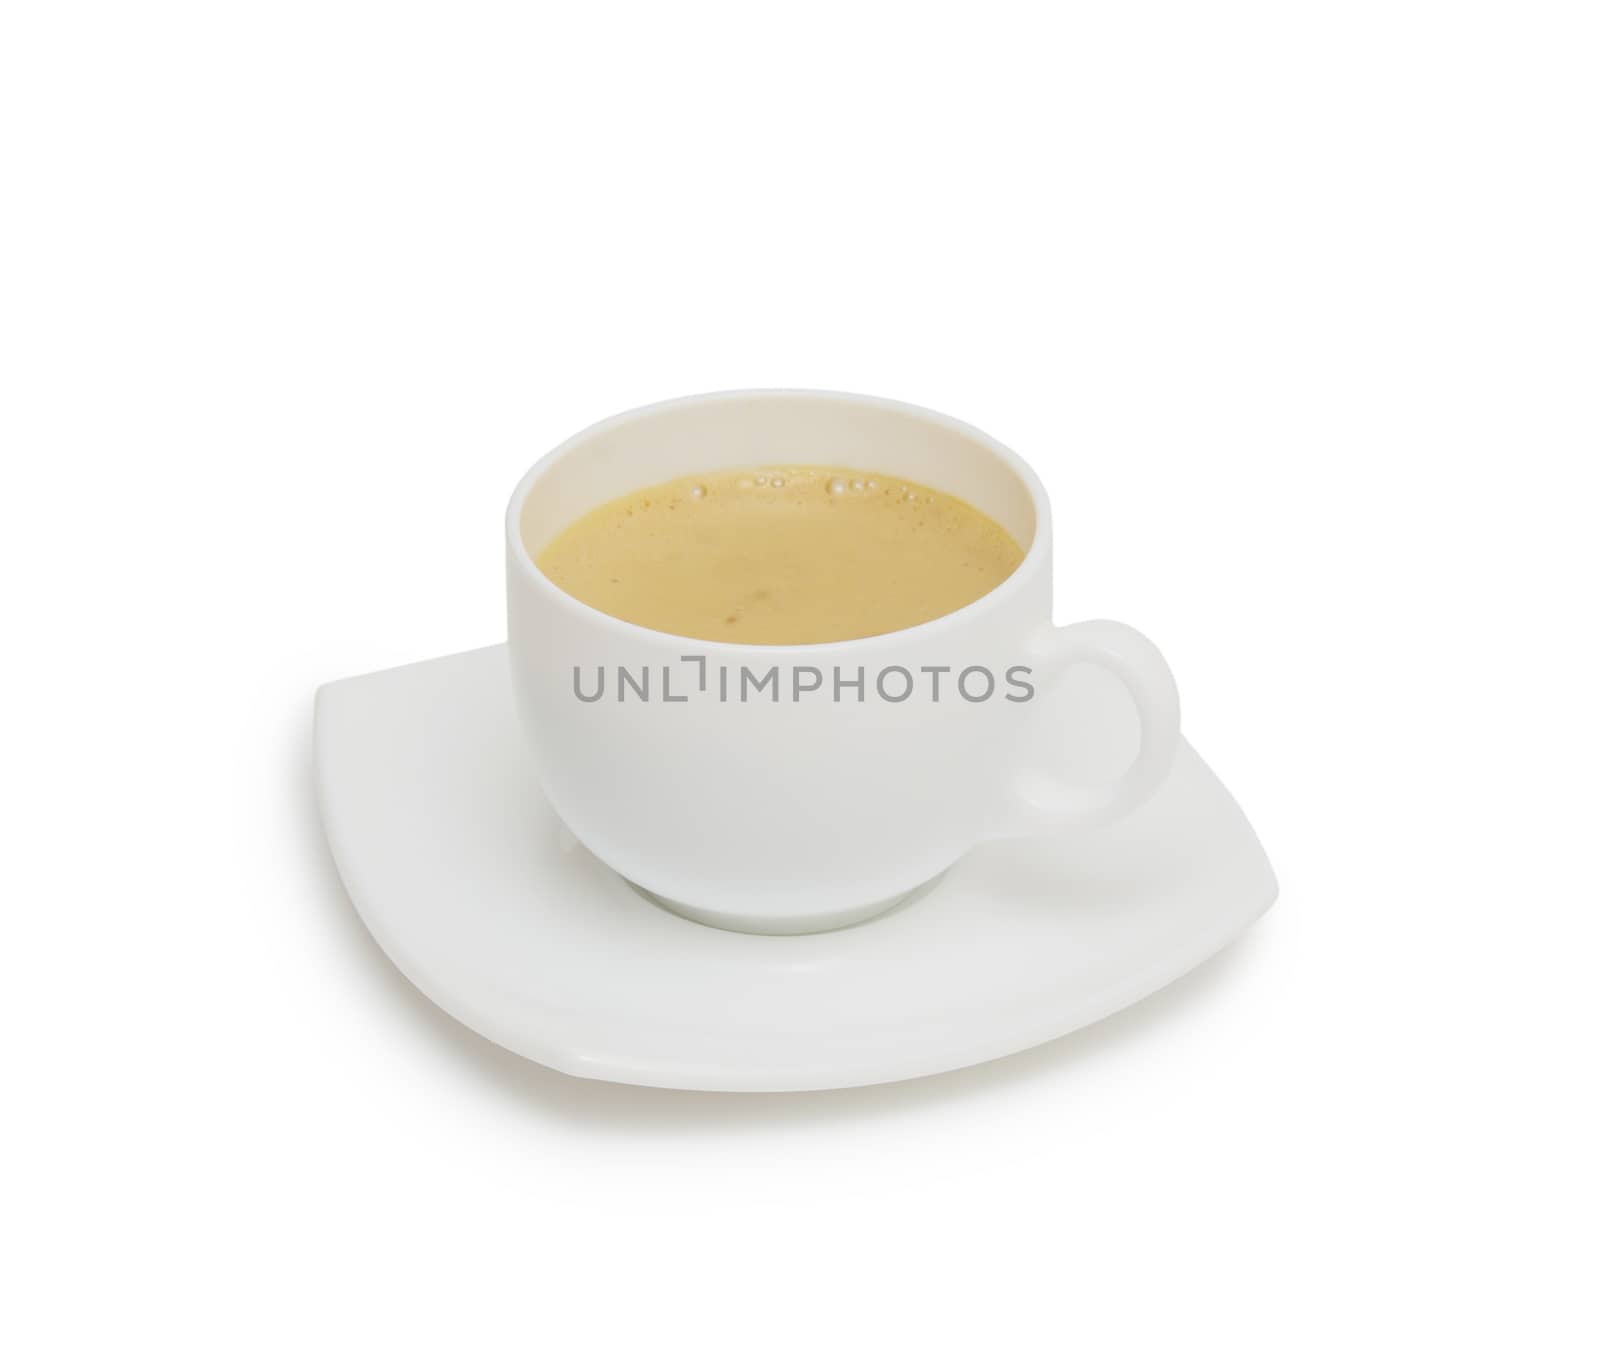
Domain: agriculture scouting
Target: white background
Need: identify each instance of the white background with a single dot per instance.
(1297, 310)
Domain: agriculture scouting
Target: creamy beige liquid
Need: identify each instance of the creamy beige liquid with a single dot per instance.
(781, 555)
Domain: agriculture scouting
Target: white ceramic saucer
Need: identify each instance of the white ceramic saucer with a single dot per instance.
(480, 896)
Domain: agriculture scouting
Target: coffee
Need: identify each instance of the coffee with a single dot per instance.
(781, 556)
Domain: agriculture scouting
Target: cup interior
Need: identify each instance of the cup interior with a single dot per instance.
(758, 429)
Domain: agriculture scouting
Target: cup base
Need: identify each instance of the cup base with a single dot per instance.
(811, 924)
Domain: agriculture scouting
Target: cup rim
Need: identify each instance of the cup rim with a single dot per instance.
(1027, 568)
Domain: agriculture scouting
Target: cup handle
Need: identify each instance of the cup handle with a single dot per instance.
(1041, 801)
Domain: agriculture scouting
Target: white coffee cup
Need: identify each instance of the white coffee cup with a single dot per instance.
(792, 806)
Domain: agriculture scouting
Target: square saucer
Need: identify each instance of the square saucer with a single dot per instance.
(482, 898)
